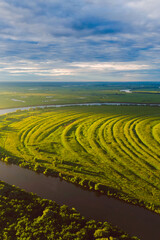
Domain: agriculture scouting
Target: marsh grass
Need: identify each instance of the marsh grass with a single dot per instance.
(115, 147)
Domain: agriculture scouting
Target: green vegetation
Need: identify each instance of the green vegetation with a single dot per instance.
(29, 94)
(112, 149)
(26, 216)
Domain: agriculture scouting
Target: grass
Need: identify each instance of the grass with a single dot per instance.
(29, 94)
(113, 148)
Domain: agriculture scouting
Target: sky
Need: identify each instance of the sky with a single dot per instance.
(82, 40)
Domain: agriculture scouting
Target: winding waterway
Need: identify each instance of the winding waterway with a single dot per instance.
(8, 110)
(133, 219)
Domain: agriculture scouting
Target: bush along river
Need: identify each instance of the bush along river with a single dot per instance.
(133, 219)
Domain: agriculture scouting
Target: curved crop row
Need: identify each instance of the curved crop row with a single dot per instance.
(116, 150)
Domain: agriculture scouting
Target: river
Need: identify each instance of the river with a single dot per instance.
(8, 110)
(132, 219)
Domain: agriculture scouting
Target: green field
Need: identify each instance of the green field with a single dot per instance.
(29, 94)
(116, 147)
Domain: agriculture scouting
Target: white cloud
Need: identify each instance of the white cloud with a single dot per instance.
(70, 38)
(59, 68)
(112, 66)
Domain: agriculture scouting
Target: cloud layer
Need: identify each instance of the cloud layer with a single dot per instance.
(82, 40)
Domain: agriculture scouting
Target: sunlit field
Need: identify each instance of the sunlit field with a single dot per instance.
(116, 146)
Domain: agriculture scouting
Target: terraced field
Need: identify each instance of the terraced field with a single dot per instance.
(114, 146)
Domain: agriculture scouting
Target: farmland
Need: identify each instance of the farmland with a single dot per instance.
(112, 149)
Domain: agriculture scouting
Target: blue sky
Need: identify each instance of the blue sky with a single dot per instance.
(86, 40)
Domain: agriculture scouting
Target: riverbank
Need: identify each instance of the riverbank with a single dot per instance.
(51, 159)
(8, 110)
(132, 219)
(38, 167)
(25, 215)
